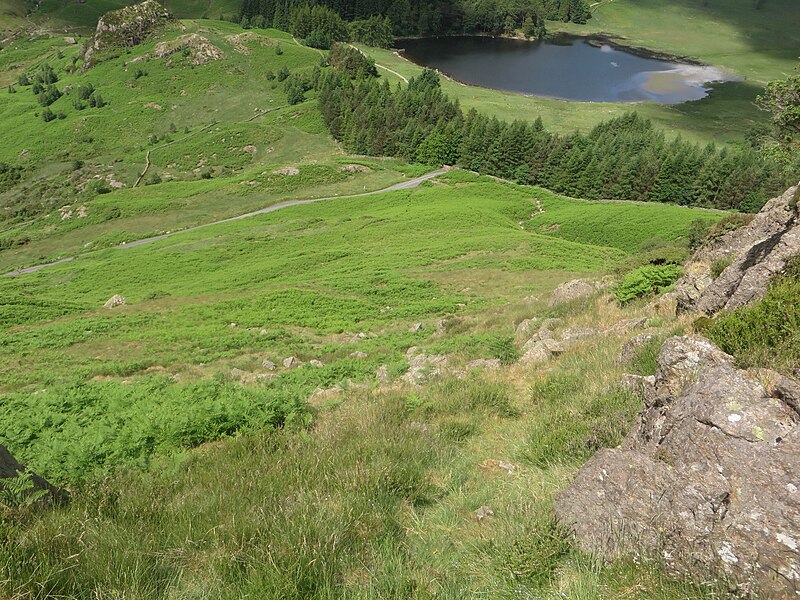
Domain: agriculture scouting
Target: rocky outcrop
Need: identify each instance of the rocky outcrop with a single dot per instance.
(126, 27)
(750, 255)
(196, 47)
(11, 468)
(706, 481)
(572, 290)
(423, 367)
(115, 301)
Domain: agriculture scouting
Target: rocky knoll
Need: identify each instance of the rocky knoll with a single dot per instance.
(127, 27)
(751, 255)
(10, 468)
(706, 481)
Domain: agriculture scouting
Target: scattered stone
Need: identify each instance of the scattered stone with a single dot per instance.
(69, 40)
(628, 325)
(289, 171)
(423, 367)
(291, 362)
(358, 354)
(240, 40)
(484, 363)
(706, 480)
(416, 327)
(197, 47)
(526, 330)
(535, 353)
(322, 394)
(233, 325)
(355, 169)
(643, 386)
(115, 301)
(484, 512)
(631, 347)
(316, 363)
(574, 334)
(571, 290)
(555, 346)
(382, 375)
(250, 149)
(152, 105)
(268, 365)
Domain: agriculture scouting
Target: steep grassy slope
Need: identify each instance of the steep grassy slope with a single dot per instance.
(293, 283)
(378, 498)
(213, 140)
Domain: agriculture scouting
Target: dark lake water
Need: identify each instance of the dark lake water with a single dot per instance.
(565, 67)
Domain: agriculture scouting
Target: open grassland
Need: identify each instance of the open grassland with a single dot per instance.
(755, 44)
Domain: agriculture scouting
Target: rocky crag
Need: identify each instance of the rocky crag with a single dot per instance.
(126, 27)
(707, 480)
(750, 255)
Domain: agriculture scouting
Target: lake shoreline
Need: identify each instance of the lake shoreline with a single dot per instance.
(594, 39)
(661, 78)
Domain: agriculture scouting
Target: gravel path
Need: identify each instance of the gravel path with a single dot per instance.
(403, 185)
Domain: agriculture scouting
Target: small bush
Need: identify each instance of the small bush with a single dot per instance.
(766, 333)
(728, 224)
(503, 349)
(718, 266)
(645, 281)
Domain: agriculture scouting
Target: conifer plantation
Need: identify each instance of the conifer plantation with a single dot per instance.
(625, 158)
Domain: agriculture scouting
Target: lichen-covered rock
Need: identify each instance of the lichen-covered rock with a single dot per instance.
(632, 347)
(115, 301)
(572, 290)
(706, 481)
(423, 367)
(754, 254)
(484, 363)
(196, 47)
(126, 27)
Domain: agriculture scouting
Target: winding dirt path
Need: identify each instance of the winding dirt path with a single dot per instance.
(403, 185)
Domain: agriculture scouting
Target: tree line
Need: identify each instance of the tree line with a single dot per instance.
(423, 17)
(626, 158)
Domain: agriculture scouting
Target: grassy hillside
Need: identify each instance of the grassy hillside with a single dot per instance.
(216, 145)
(200, 463)
(378, 498)
(301, 275)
